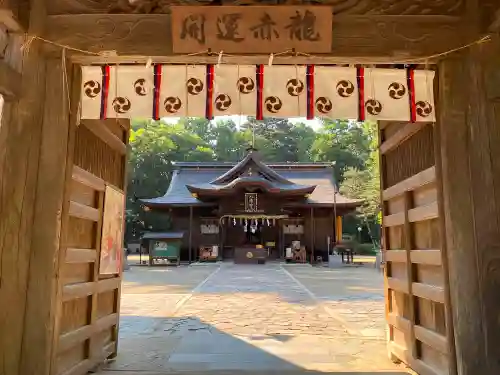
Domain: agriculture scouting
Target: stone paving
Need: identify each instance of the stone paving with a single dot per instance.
(226, 317)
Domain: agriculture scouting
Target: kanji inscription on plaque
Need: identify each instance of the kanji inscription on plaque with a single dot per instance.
(255, 29)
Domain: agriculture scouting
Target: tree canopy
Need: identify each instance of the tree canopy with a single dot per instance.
(156, 144)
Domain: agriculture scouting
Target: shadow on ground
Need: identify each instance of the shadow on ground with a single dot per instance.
(186, 344)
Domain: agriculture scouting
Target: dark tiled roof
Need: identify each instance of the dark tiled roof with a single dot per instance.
(306, 174)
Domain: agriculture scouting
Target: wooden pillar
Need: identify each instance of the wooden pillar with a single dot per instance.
(333, 238)
(54, 176)
(20, 133)
(190, 232)
(469, 118)
(312, 235)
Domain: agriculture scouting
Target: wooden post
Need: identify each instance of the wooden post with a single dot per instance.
(408, 246)
(53, 174)
(190, 232)
(20, 131)
(333, 239)
(312, 235)
(452, 355)
(470, 160)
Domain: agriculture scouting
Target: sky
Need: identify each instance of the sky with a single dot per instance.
(315, 124)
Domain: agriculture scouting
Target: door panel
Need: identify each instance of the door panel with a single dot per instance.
(415, 277)
(88, 311)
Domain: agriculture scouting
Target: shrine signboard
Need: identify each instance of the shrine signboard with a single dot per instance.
(252, 29)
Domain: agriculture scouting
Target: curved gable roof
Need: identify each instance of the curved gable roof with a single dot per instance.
(319, 175)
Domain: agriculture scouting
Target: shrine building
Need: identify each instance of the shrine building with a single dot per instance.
(252, 211)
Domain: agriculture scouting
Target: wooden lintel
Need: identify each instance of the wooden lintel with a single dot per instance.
(99, 128)
(9, 81)
(389, 39)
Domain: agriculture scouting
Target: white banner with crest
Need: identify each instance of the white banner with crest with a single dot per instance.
(261, 91)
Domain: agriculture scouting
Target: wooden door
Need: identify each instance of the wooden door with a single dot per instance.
(420, 329)
(86, 330)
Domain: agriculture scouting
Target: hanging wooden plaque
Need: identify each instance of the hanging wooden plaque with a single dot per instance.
(253, 29)
(112, 232)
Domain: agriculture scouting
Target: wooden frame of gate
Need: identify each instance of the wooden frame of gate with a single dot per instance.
(420, 328)
(440, 182)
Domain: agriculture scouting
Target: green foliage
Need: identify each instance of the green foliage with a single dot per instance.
(156, 144)
(365, 249)
(364, 183)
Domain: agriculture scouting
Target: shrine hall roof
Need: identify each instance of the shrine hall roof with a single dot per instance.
(314, 177)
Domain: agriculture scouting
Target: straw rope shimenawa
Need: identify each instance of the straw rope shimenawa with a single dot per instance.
(291, 52)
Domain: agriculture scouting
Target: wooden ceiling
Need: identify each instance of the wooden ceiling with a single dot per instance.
(340, 7)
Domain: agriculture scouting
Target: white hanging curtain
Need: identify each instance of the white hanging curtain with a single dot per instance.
(261, 91)
(335, 92)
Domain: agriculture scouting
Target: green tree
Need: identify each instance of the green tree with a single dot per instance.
(343, 141)
(154, 146)
(365, 184)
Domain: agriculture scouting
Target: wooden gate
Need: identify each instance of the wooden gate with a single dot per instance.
(90, 274)
(420, 329)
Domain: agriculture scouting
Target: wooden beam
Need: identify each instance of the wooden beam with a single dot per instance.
(190, 243)
(22, 342)
(414, 182)
(88, 179)
(100, 130)
(72, 338)
(403, 134)
(81, 255)
(10, 21)
(65, 220)
(51, 184)
(396, 284)
(9, 82)
(362, 38)
(421, 213)
(73, 291)
(83, 212)
(399, 322)
(427, 257)
(408, 241)
(394, 219)
(448, 306)
(397, 256)
(433, 339)
(470, 161)
(434, 293)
